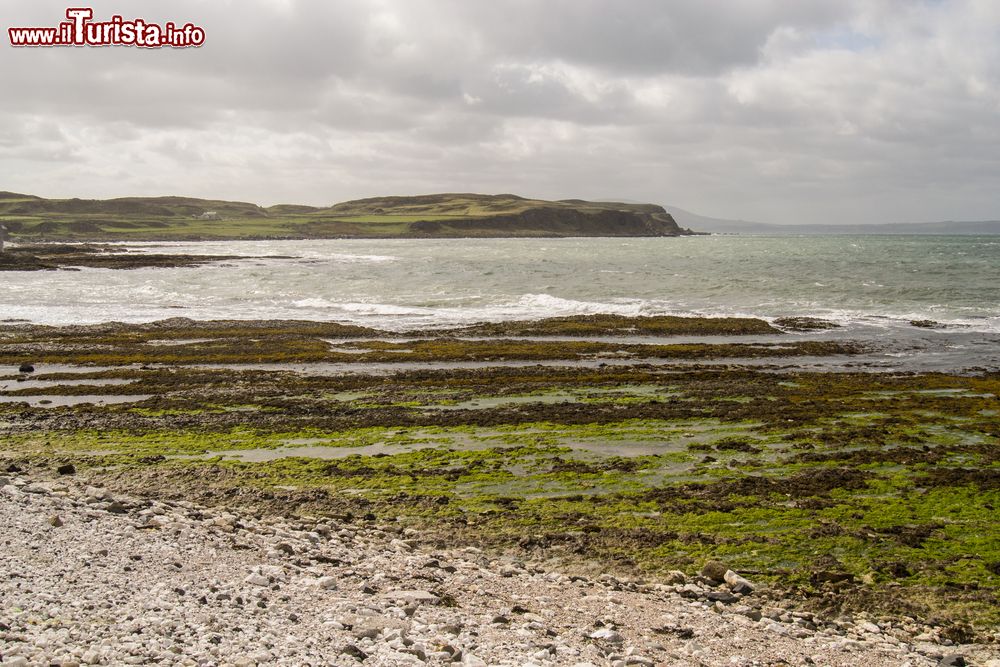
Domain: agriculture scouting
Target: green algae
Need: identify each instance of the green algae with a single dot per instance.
(591, 325)
(881, 488)
(181, 342)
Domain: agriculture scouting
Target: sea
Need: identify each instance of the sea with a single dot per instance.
(873, 286)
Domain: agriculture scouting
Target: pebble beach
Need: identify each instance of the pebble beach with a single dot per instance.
(98, 578)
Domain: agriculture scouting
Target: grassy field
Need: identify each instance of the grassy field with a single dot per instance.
(176, 218)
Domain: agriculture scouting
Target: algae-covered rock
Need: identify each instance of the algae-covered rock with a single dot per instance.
(715, 571)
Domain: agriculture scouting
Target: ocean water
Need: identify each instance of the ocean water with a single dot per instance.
(865, 281)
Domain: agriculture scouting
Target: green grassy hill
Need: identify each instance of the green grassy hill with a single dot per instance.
(442, 215)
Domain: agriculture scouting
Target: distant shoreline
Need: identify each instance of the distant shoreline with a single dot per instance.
(31, 218)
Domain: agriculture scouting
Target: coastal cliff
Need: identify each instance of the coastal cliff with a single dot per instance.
(31, 218)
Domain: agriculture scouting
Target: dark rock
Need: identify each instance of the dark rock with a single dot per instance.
(26, 368)
(959, 633)
(721, 596)
(67, 469)
(952, 660)
(830, 577)
(804, 324)
(738, 584)
(676, 630)
(691, 591)
(742, 589)
(898, 570)
(354, 652)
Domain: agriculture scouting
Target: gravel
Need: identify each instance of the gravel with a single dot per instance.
(95, 578)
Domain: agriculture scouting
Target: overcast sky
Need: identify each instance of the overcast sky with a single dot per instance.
(770, 110)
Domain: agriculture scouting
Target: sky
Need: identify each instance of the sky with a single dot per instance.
(785, 111)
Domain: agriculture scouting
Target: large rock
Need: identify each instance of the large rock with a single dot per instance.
(608, 635)
(675, 577)
(737, 584)
(715, 571)
(952, 660)
(257, 579)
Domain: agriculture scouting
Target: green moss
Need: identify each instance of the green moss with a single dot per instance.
(291, 342)
(891, 480)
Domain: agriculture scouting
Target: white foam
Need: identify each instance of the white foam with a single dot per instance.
(397, 284)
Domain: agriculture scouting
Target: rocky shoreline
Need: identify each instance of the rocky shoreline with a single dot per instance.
(73, 257)
(95, 577)
(846, 498)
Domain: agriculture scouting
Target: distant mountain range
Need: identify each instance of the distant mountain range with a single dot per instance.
(703, 223)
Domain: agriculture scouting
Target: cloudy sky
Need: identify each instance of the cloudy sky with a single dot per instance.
(770, 110)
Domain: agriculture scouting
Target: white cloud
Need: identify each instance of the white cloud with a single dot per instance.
(784, 110)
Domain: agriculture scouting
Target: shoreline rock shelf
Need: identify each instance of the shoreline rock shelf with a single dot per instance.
(65, 257)
(93, 577)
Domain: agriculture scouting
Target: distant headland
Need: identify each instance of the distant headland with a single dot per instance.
(31, 218)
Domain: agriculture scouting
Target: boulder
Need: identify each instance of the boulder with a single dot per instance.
(675, 577)
(737, 584)
(715, 571)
